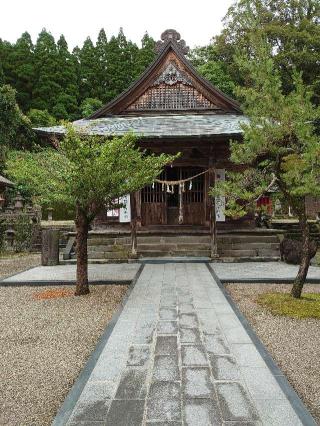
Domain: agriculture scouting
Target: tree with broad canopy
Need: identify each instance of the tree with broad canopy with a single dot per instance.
(281, 143)
(87, 172)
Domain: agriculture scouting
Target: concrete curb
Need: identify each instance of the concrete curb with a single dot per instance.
(266, 280)
(297, 404)
(60, 283)
(71, 399)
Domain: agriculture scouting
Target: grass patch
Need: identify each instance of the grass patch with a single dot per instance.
(283, 304)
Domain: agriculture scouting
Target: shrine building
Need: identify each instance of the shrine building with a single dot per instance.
(172, 108)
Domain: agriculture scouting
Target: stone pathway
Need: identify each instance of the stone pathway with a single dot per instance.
(177, 355)
(67, 273)
(253, 271)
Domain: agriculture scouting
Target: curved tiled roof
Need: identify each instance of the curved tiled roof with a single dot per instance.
(157, 126)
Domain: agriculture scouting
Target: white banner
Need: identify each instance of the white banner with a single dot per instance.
(125, 211)
(220, 176)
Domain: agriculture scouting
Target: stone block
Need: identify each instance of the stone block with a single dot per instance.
(196, 382)
(224, 367)
(166, 368)
(166, 345)
(132, 384)
(193, 355)
(201, 412)
(126, 413)
(138, 355)
(235, 403)
(167, 327)
(190, 335)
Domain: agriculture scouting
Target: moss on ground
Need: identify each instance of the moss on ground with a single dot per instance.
(308, 306)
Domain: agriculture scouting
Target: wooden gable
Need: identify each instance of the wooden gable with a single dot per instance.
(169, 85)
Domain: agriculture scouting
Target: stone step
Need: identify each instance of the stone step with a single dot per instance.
(107, 255)
(190, 253)
(237, 253)
(255, 246)
(225, 239)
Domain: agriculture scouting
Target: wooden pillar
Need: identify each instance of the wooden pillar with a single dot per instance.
(133, 202)
(213, 223)
(180, 205)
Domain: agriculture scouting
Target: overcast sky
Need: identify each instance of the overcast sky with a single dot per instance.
(197, 20)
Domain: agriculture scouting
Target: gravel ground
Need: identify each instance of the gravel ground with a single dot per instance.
(44, 345)
(18, 263)
(294, 344)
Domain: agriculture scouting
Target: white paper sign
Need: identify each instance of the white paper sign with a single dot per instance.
(125, 211)
(220, 176)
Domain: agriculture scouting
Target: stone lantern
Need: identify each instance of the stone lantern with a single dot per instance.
(10, 236)
(18, 203)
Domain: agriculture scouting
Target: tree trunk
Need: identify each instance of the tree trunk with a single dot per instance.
(82, 228)
(305, 258)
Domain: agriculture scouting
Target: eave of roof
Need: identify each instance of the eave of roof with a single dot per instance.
(5, 181)
(157, 126)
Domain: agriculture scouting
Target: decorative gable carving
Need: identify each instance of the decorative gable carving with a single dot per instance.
(172, 75)
(172, 90)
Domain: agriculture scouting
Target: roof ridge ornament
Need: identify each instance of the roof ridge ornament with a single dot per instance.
(174, 37)
(172, 75)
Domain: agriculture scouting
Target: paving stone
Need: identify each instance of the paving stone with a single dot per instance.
(235, 402)
(277, 413)
(247, 355)
(190, 335)
(237, 335)
(132, 384)
(165, 409)
(188, 321)
(201, 412)
(143, 333)
(166, 368)
(193, 355)
(224, 367)
(261, 383)
(186, 308)
(95, 391)
(168, 314)
(125, 413)
(216, 344)
(138, 355)
(159, 390)
(91, 411)
(166, 345)
(168, 301)
(196, 382)
(185, 299)
(151, 423)
(86, 423)
(167, 327)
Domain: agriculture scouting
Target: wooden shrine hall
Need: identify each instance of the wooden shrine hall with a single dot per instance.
(172, 109)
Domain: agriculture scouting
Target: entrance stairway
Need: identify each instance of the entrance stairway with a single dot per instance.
(232, 246)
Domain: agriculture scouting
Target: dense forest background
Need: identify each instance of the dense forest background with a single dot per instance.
(44, 82)
(53, 83)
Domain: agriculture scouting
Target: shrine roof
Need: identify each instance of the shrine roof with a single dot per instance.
(156, 125)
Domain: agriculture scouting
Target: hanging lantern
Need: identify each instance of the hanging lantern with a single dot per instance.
(190, 185)
(152, 185)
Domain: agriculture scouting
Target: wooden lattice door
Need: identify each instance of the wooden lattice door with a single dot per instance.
(153, 204)
(193, 197)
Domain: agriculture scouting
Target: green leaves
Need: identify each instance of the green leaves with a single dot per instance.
(102, 170)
